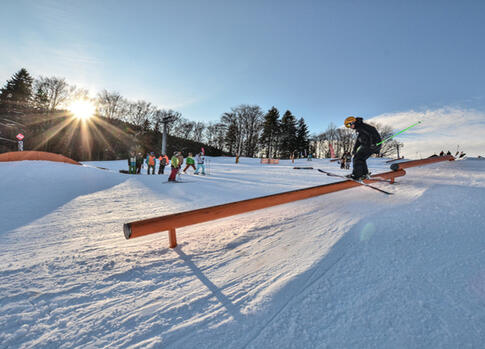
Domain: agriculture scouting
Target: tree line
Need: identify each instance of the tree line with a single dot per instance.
(39, 105)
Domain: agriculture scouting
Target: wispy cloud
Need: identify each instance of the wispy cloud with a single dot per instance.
(441, 129)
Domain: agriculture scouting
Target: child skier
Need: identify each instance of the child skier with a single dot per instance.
(200, 158)
(175, 162)
(190, 162)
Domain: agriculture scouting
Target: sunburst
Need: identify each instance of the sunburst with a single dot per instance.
(82, 109)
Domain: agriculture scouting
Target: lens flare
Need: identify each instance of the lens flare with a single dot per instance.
(367, 232)
(82, 109)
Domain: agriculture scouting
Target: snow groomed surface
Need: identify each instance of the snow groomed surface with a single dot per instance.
(348, 269)
(182, 219)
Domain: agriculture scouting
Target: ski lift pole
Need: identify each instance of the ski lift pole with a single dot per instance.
(391, 137)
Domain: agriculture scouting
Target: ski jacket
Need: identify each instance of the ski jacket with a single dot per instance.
(163, 160)
(151, 160)
(132, 160)
(200, 159)
(367, 136)
(189, 161)
(175, 161)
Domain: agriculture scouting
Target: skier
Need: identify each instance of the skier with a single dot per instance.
(200, 158)
(163, 162)
(190, 163)
(139, 163)
(365, 146)
(175, 162)
(132, 163)
(151, 163)
(348, 160)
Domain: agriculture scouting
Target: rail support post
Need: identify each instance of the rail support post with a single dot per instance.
(172, 238)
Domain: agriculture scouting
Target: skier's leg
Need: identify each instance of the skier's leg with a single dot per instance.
(360, 165)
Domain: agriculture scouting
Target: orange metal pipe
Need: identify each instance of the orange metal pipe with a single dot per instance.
(414, 163)
(177, 220)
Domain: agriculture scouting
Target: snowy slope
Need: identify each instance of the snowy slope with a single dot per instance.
(350, 269)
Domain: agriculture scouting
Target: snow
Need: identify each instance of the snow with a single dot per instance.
(354, 268)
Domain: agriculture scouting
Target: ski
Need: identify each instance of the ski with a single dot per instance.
(354, 180)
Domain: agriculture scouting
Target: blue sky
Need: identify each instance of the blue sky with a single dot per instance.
(323, 60)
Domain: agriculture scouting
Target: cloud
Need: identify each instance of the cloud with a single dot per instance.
(441, 129)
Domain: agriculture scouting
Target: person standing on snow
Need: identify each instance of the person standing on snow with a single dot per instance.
(365, 146)
(151, 163)
(200, 159)
(132, 163)
(175, 162)
(139, 163)
(348, 160)
(163, 162)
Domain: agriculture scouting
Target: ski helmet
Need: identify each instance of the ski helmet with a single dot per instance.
(350, 120)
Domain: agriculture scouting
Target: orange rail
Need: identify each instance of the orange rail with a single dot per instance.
(414, 163)
(177, 220)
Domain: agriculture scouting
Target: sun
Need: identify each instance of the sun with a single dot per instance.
(82, 109)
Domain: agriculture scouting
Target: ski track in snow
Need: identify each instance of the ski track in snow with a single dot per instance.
(350, 269)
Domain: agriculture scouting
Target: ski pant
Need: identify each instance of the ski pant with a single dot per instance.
(189, 165)
(200, 166)
(132, 169)
(173, 174)
(360, 157)
(161, 169)
(151, 167)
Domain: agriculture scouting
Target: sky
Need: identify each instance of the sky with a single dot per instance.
(323, 60)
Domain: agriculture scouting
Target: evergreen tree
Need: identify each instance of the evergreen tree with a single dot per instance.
(271, 129)
(16, 95)
(302, 136)
(40, 100)
(288, 142)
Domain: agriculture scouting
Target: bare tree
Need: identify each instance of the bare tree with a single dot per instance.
(141, 113)
(243, 127)
(251, 117)
(390, 147)
(56, 91)
(198, 131)
(111, 105)
(186, 129)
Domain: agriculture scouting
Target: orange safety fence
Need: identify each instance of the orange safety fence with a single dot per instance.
(177, 220)
(35, 155)
(270, 161)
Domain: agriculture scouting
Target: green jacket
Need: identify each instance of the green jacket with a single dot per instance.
(175, 161)
(189, 161)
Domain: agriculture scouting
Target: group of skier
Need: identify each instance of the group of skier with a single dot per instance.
(136, 161)
(178, 159)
